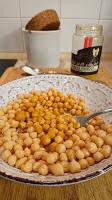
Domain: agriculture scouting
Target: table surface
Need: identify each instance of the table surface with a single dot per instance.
(99, 188)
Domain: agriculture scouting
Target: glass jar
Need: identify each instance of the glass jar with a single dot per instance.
(86, 48)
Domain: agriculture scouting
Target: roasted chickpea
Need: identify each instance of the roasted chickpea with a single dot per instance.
(66, 166)
(26, 167)
(108, 140)
(43, 170)
(90, 160)
(12, 160)
(60, 148)
(19, 153)
(92, 148)
(6, 154)
(68, 144)
(83, 163)
(28, 141)
(106, 150)
(79, 154)
(98, 156)
(51, 158)
(56, 169)
(74, 167)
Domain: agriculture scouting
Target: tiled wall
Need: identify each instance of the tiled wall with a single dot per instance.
(15, 13)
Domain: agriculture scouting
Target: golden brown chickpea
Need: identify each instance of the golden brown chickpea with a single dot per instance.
(92, 148)
(53, 146)
(75, 148)
(43, 170)
(45, 127)
(20, 116)
(109, 129)
(99, 142)
(33, 135)
(90, 129)
(51, 158)
(26, 167)
(77, 125)
(12, 160)
(106, 150)
(79, 154)
(38, 154)
(27, 151)
(75, 137)
(60, 148)
(108, 140)
(44, 156)
(68, 144)
(35, 147)
(38, 128)
(36, 140)
(56, 169)
(52, 132)
(36, 166)
(28, 141)
(90, 160)
(22, 124)
(45, 140)
(6, 154)
(63, 157)
(17, 147)
(20, 161)
(83, 135)
(70, 154)
(31, 160)
(83, 163)
(101, 133)
(86, 152)
(80, 143)
(98, 156)
(58, 139)
(5, 139)
(24, 136)
(8, 145)
(19, 153)
(66, 166)
(74, 167)
(69, 132)
(93, 138)
(61, 133)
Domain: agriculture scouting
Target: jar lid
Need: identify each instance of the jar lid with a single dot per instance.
(89, 29)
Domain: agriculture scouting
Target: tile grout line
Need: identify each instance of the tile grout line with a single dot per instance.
(60, 10)
(22, 40)
(100, 11)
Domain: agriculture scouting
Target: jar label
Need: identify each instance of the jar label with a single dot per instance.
(87, 59)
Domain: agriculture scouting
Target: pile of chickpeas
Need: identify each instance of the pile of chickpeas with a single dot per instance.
(39, 133)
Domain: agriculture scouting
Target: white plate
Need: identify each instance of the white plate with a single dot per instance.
(98, 96)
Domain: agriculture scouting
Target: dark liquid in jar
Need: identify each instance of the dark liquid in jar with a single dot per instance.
(86, 61)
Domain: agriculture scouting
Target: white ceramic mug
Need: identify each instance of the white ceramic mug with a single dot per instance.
(43, 47)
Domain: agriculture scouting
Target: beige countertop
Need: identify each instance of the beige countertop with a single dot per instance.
(64, 57)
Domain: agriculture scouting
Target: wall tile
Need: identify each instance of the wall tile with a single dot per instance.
(9, 8)
(68, 28)
(10, 35)
(106, 9)
(29, 8)
(107, 24)
(24, 21)
(80, 9)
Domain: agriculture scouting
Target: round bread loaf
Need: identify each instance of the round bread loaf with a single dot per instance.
(44, 21)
